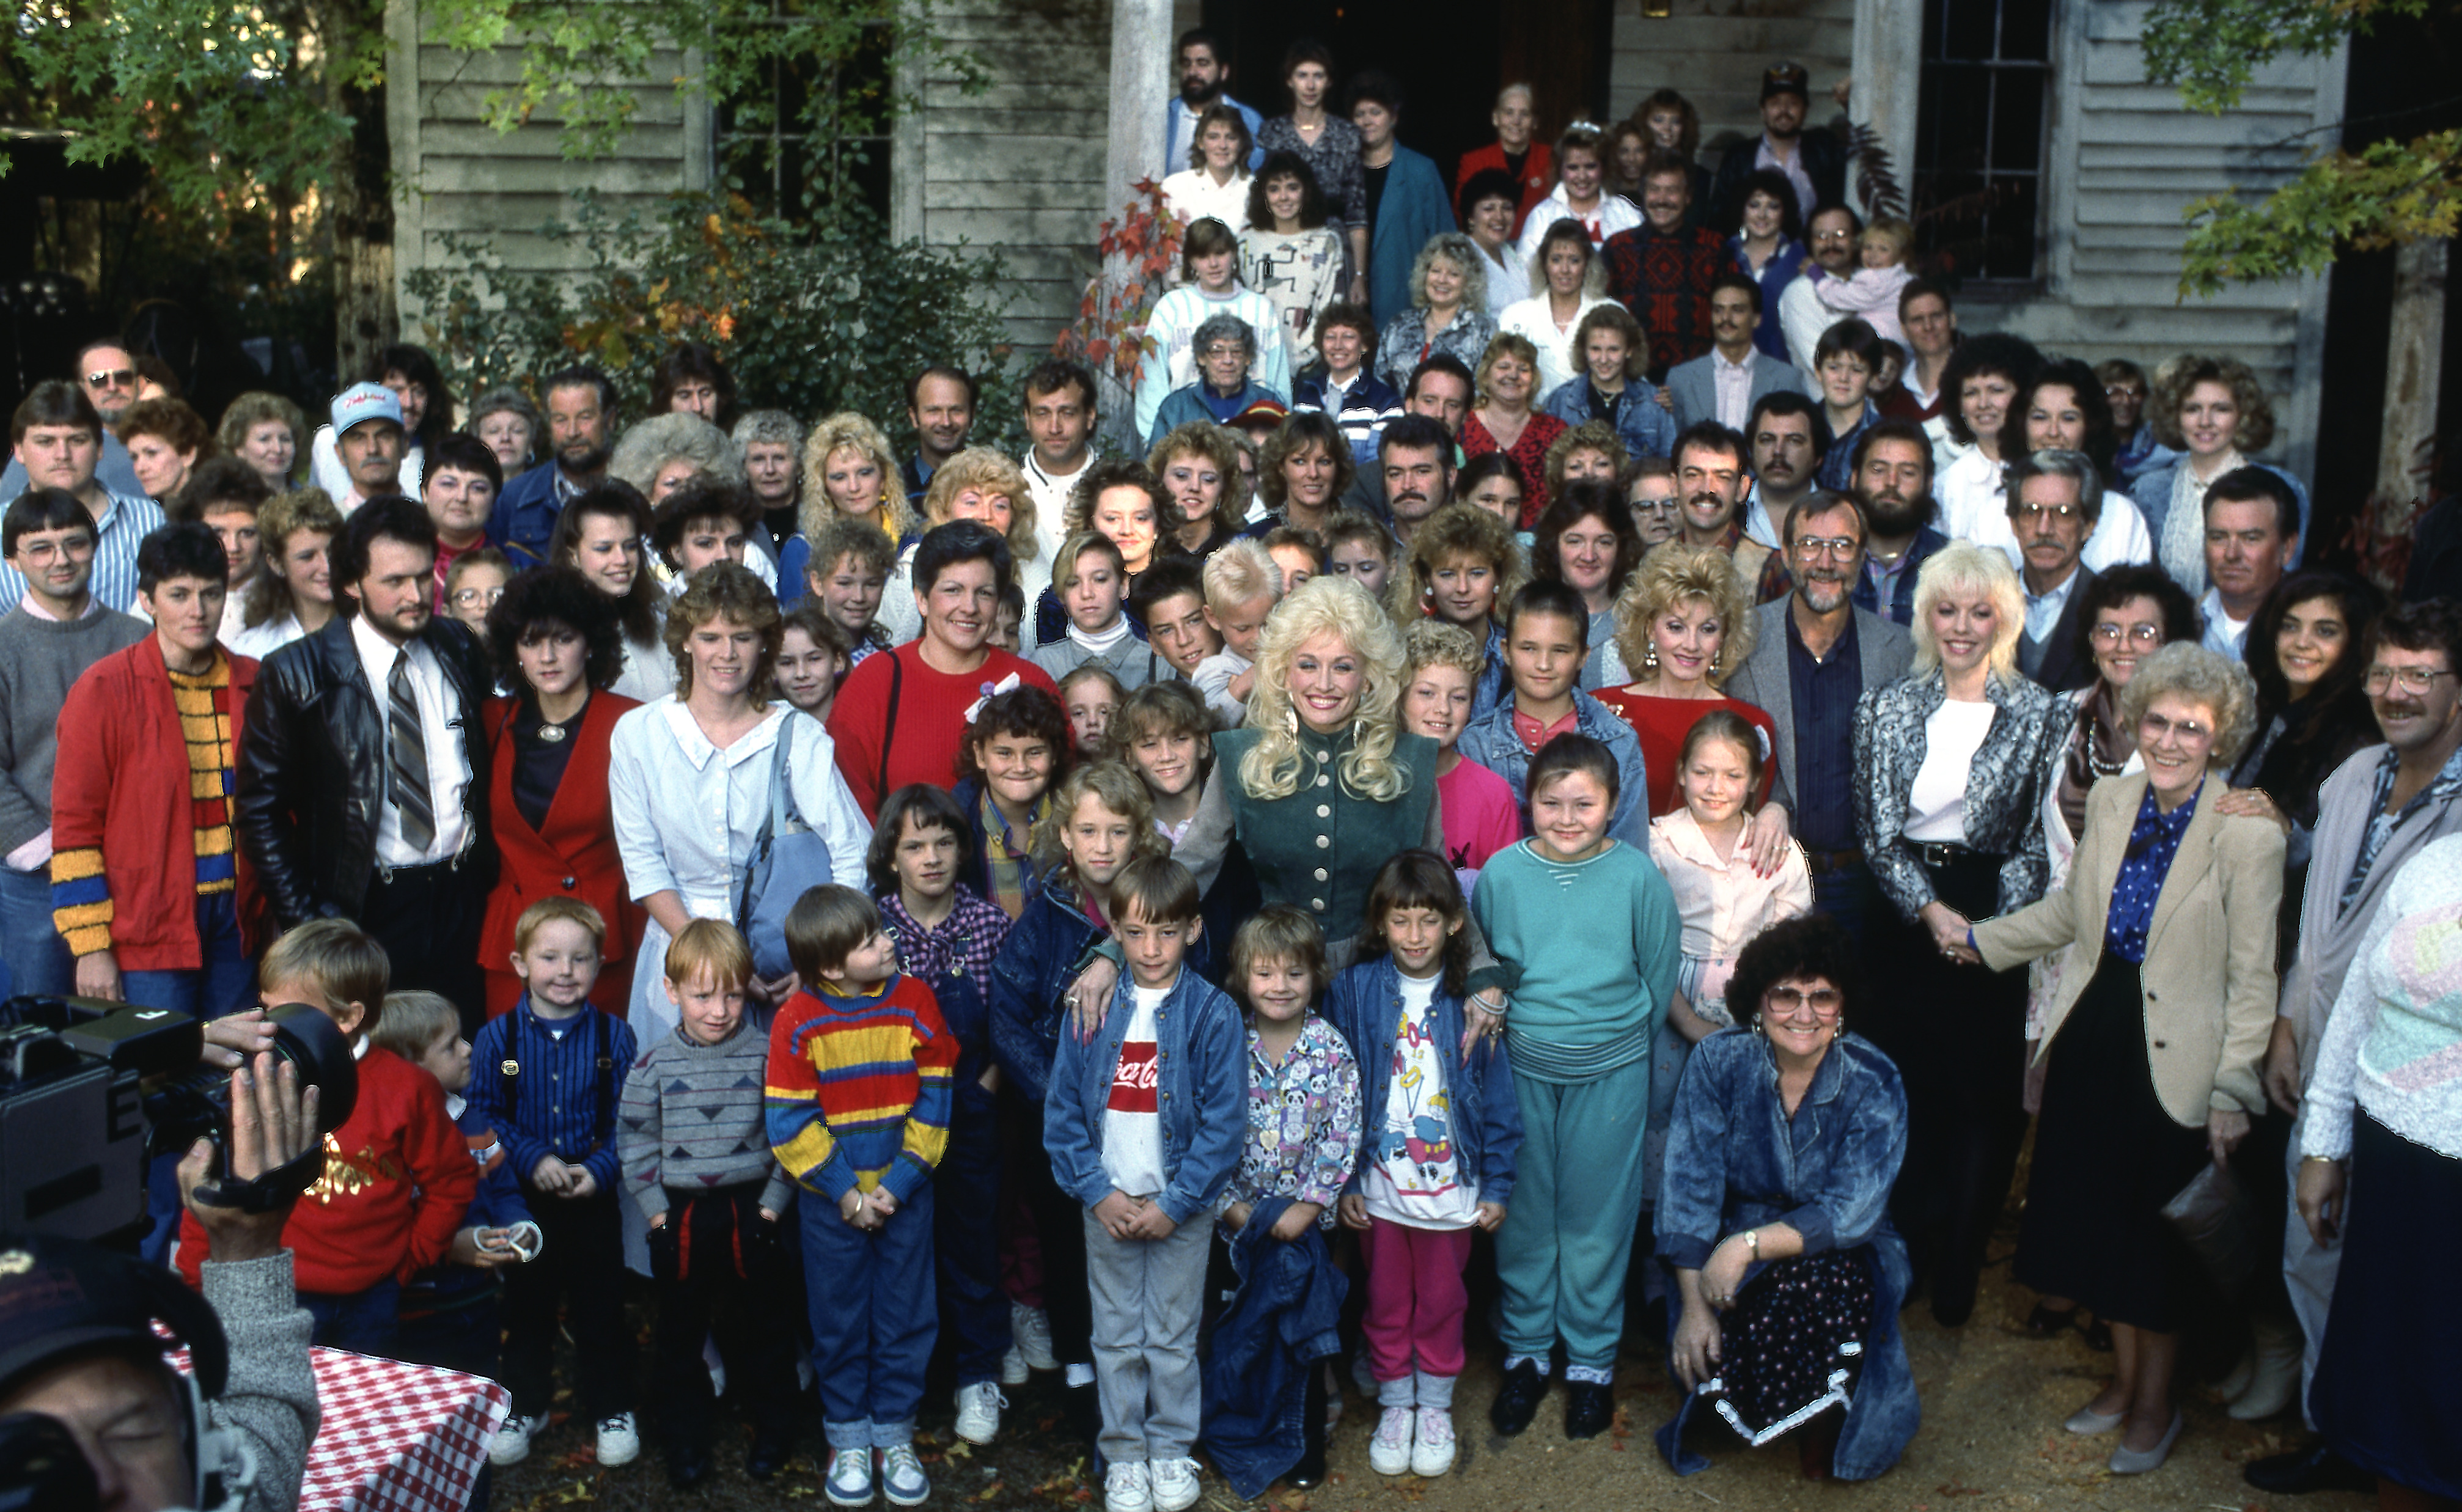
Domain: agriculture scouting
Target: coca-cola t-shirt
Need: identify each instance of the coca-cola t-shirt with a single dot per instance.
(1132, 1114)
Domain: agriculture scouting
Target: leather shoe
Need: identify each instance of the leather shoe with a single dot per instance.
(1517, 1400)
(1952, 1298)
(687, 1468)
(1310, 1470)
(770, 1455)
(1589, 1408)
(2317, 1468)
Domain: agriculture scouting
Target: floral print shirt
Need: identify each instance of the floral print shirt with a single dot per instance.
(1303, 1121)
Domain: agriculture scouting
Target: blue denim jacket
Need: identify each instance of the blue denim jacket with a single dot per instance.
(1490, 740)
(1200, 1063)
(1646, 429)
(1030, 976)
(1734, 1161)
(1282, 1318)
(1365, 1004)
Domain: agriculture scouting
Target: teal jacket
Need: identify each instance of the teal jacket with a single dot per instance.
(1415, 207)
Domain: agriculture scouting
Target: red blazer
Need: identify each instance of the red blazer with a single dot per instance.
(120, 786)
(575, 853)
(1538, 176)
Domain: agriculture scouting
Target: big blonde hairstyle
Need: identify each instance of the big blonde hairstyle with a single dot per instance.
(982, 468)
(1342, 607)
(1506, 343)
(1464, 254)
(1965, 568)
(2174, 380)
(848, 431)
(1676, 574)
(2190, 671)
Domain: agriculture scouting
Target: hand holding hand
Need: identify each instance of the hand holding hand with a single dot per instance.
(551, 1175)
(581, 1183)
(1949, 928)
(1351, 1212)
(1152, 1223)
(1117, 1213)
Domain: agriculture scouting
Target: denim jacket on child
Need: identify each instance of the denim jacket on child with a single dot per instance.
(1365, 1004)
(1201, 1066)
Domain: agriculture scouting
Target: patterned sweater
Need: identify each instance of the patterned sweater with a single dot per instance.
(857, 1088)
(693, 1118)
(2393, 1044)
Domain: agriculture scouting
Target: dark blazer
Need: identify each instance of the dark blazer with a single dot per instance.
(1824, 164)
(1694, 392)
(1764, 682)
(312, 765)
(573, 853)
(2061, 665)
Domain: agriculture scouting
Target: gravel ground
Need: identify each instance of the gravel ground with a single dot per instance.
(1993, 1402)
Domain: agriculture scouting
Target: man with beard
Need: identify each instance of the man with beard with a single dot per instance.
(1726, 381)
(1815, 655)
(362, 764)
(1710, 479)
(1205, 82)
(1789, 439)
(1814, 163)
(1836, 234)
(581, 428)
(1663, 269)
(2055, 497)
(1416, 457)
(1893, 488)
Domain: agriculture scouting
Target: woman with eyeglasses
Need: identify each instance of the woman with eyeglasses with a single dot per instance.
(2153, 1049)
(1775, 1214)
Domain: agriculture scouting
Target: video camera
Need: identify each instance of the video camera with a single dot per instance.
(91, 1092)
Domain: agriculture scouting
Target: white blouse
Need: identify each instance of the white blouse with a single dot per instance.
(1936, 803)
(1533, 318)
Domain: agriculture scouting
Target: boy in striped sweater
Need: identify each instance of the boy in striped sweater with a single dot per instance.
(697, 1161)
(858, 1107)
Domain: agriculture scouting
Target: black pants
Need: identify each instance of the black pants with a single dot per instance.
(719, 1267)
(1060, 1228)
(427, 919)
(580, 1267)
(1959, 1036)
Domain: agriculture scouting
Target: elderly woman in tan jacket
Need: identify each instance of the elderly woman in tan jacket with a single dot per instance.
(2153, 1044)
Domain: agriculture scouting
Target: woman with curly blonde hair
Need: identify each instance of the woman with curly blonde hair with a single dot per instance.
(2213, 412)
(976, 484)
(1683, 622)
(1448, 311)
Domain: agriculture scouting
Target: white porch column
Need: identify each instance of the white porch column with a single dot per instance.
(1889, 80)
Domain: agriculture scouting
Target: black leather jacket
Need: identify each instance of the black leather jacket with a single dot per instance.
(312, 763)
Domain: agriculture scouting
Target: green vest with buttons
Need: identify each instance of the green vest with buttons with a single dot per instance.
(1319, 849)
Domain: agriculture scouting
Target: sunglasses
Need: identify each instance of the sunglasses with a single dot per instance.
(112, 378)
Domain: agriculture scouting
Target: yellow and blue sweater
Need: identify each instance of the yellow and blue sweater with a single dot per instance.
(857, 1088)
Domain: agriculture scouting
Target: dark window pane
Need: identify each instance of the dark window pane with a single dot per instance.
(2018, 120)
(1967, 29)
(2025, 29)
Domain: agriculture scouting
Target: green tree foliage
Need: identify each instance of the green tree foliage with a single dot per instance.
(2385, 192)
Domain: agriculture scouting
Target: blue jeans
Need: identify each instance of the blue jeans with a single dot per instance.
(873, 1319)
(364, 1322)
(39, 962)
(217, 986)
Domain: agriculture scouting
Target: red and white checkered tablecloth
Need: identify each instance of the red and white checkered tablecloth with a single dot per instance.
(396, 1438)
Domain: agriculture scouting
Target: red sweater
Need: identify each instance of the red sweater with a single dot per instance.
(398, 1178)
(930, 719)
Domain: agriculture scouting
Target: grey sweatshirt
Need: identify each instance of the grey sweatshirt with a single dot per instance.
(39, 660)
(271, 1398)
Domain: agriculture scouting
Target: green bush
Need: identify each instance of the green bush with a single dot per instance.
(810, 320)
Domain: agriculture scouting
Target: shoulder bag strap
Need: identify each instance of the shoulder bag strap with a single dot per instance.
(889, 724)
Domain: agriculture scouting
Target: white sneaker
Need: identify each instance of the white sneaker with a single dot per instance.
(511, 1444)
(901, 1476)
(1175, 1485)
(1389, 1453)
(979, 1409)
(1031, 1327)
(619, 1442)
(1432, 1453)
(1125, 1488)
(1014, 1370)
(850, 1477)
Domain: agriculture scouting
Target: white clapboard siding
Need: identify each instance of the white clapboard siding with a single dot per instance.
(1715, 51)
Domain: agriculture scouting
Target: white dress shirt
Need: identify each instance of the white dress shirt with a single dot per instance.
(440, 719)
(2044, 611)
(1732, 383)
(2223, 633)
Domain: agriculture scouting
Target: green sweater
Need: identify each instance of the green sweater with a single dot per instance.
(1591, 950)
(39, 660)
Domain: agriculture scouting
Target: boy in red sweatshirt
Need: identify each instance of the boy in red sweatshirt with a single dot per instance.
(398, 1176)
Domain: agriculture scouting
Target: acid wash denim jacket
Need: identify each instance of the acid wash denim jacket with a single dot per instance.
(1734, 1161)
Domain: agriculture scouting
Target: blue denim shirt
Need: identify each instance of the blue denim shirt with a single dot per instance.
(1490, 740)
(525, 513)
(1365, 1004)
(1282, 1318)
(1645, 427)
(1200, 1063)
(1734, 1161)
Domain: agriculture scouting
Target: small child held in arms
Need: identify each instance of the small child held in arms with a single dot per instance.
(450, 1312)
(1145, 1125)
(858, 1113)
(1241, 587)
(1302, 1135)
(1445, 1129)
(1440, 688)
(691, 1139)
(1092, 585)
(1586, 1004)
(1873, 290)
(945, 936)
(1091, 695)
(554, 1069)
(1167, 739)
(398, 1177)
(1016, 747)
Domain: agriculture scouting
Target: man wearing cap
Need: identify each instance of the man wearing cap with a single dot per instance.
(107, 376)
(369, 437)
(78, 1347)
(56, 435)
(1814, 162)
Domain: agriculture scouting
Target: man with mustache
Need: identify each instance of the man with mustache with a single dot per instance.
(1815, 653)
(1836, 234)
(1892, 473)
(1814, 162)
(1416, 457)
(2055, 497)
(1711, 476)
(1663, 269)
(1790, 439)
(581, 422)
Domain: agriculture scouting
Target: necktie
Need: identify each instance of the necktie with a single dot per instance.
(406, 758)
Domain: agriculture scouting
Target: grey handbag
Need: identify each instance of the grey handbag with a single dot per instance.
(788, 860)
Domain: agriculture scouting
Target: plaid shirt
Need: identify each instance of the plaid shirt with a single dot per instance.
(963, 945)
(1303, 1121)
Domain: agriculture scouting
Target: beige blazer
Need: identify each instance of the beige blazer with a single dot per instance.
(2208, 973)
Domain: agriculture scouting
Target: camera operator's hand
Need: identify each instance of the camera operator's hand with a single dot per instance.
(97, 976)
(272, 1123)
(231, 1039)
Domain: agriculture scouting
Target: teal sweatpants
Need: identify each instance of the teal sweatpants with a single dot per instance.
(1567, 1233)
